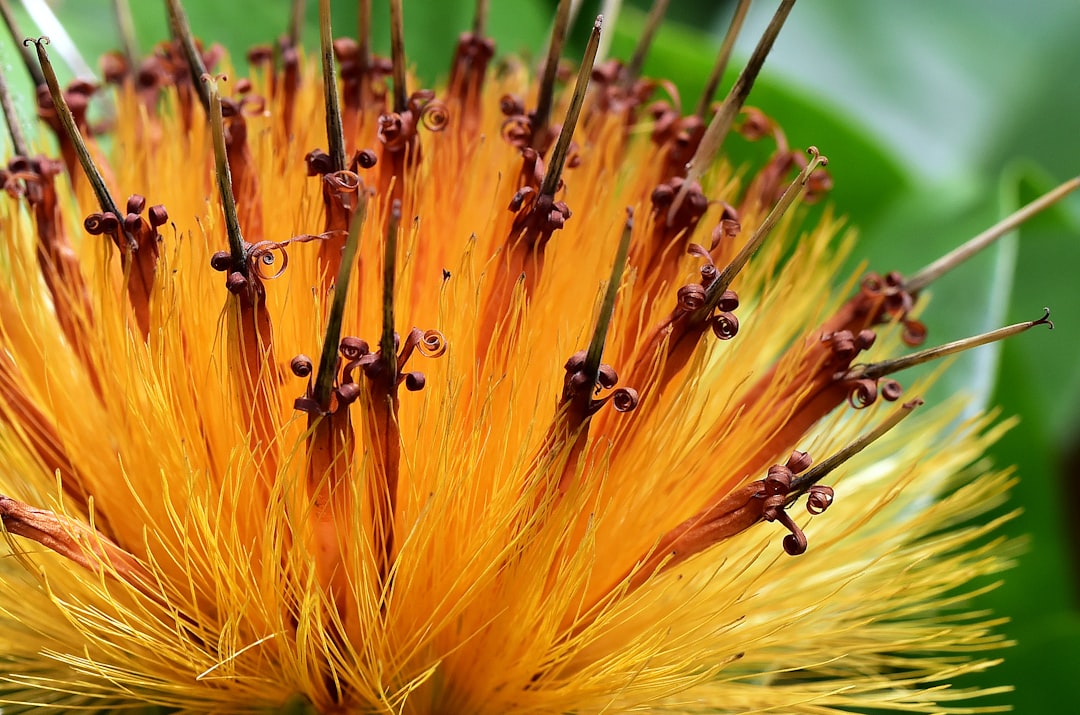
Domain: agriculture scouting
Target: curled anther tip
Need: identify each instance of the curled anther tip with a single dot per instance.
(301, 366)
(1044, 320)
(913, 403)
(39, 41)
(625, 399)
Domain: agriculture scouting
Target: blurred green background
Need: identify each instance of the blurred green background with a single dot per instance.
(939, 117)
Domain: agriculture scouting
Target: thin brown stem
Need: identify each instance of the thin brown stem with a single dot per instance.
(954, 258)
(67, 120)
(397, 55)
(888, 367)
(562, 146)
(652, 24)
(335, 133)
(722, 59)
(725, 116)
(17, 35)
(546, 95)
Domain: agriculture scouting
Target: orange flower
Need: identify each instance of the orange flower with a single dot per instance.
(570, 365)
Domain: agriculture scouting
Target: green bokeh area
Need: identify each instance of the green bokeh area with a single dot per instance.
(939, 117)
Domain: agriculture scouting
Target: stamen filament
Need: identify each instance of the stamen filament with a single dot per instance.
(324, 381)
(97, 182)
(181, 30)
(637, 60)
(725, 116)
(335, 134)
(545, 97)
(562, 146)
(821, 470)
(607, 308)
(722, 58)
(397, 55)
(794, 190)
(888, 367)
(386, 340)
(224, 176)
(954, 258)
(17, 36)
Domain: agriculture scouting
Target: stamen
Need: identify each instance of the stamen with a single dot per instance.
(873, 371)
(765, 499)
(383, 416)
(725, 115)
(815, 474)
(722, 59)
(553, 175)
(397, 55)
(946, 263)
(388, 342)
(591, 368)
(637, 60)
(237, 257)
(17, 36)
(694, 312)
(794, 190)
(75, 541)
(181, 31)
(585, 377)
(545, 97)
(335, 134)
(127, 32)
(18, 139)
(63, 112)
(328, 360)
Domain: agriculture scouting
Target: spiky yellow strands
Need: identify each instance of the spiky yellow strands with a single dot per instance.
(518, 529)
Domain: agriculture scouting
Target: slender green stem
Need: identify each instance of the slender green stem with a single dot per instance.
(97, 181)
(335, 134)
(591, 368)
(324, 380)
(386, 342)
(181, 31)
(888, 367)
(224, 177)
(819, 471)
(562, 146)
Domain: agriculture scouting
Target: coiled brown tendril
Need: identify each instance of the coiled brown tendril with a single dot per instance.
(517, 131)
(728, 227)
(102, 224)
(896, 303)
(865, 392)
(846, 345)
(259, 257)
(24, 176)
(694, 296)
(776, 488)
(577, 384)
(691, 297)
(724, 325)
(320, 163)
(434, 115)
(429, 343)
(353, 352)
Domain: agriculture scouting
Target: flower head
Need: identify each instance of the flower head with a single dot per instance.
(581, 395)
